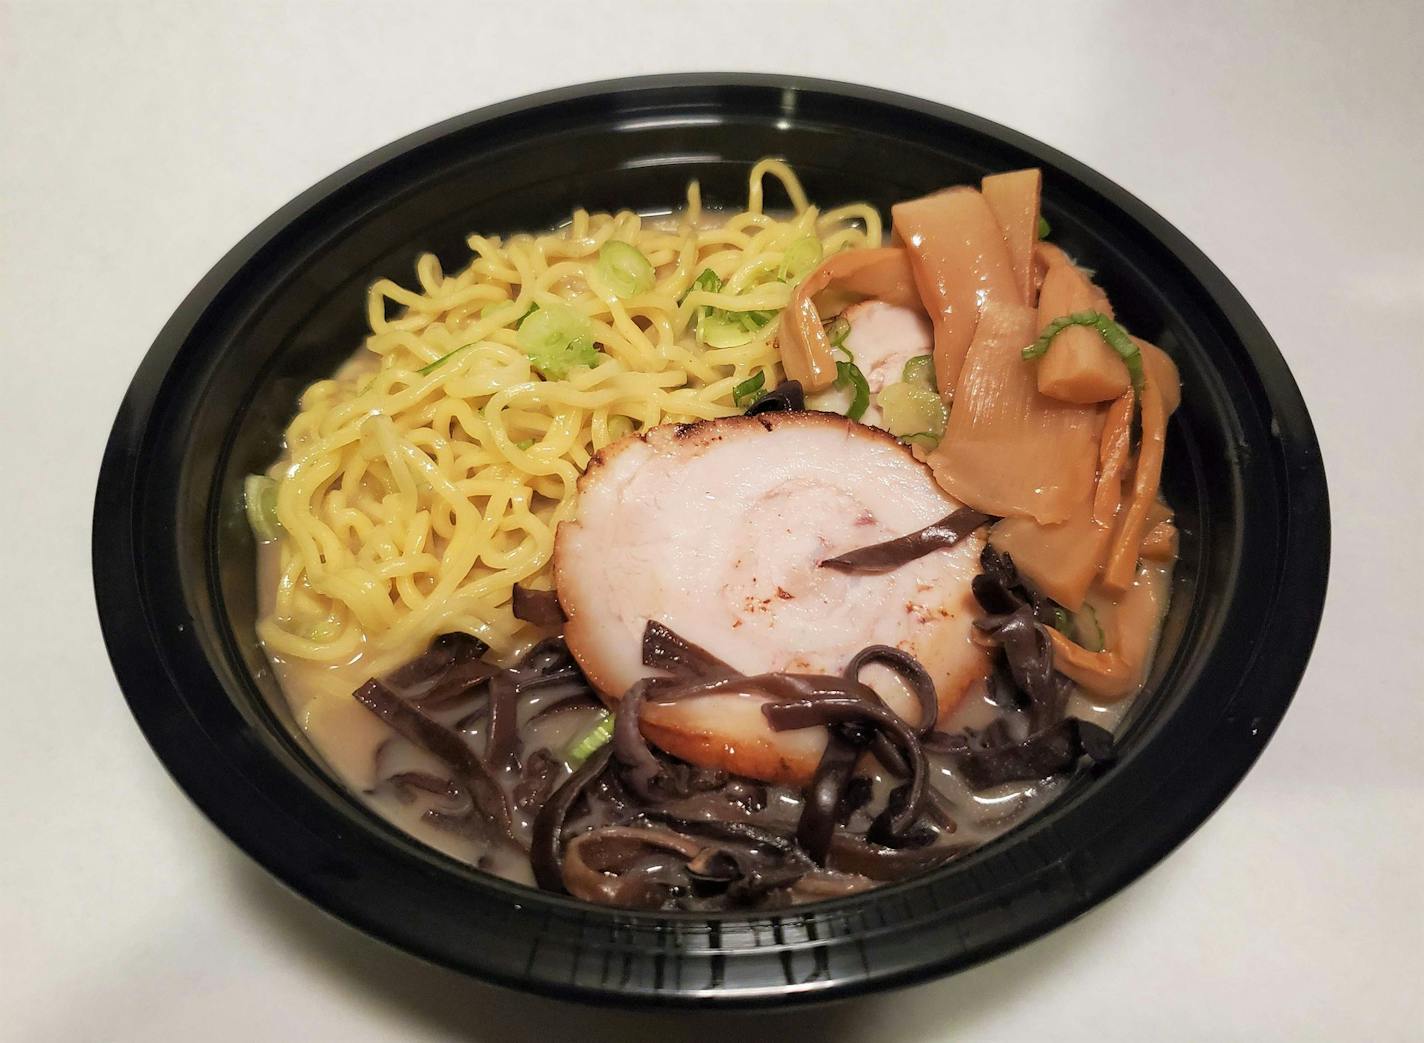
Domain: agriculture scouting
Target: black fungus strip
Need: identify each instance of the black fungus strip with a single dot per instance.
(739, 832)
(444, 652)
(786, 397)
(821, 802)
(546, 855)
(541, 768)
(909, 668)
(1000, 589)
(852, 855)
(640, 767)
(430, 735)
(840, 709)
(1052, 751)
(549, 656)
(1028, 652)
(890, 555)
(665, 650)
(458, 683)
(608, 865)
(502, 742)
(540, 607)
(712, 871)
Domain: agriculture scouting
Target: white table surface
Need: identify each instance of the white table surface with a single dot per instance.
(139, 141)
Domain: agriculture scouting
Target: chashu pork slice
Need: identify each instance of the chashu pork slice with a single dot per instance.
(718, 530)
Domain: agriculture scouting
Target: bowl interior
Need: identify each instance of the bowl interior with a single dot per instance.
(288, 306)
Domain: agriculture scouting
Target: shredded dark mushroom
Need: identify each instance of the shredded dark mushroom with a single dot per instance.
(444, 652)
(852, 855)
(890, 555)
(541, 770)
(1027, 651)
(403, 782)
(458, 683)
(502, 743)
(822, 800)
(626, 866)
(435, 738)
(740, 832)
(1052, 751)
(786, 397)
(540, 607)
(546, 846)
(634, 827)
(909, 668)
(670, 652)
(829, 709)
(640, 767)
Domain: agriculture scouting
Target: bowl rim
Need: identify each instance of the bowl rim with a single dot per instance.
(140, 656)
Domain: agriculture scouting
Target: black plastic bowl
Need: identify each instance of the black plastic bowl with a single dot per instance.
(173, 559)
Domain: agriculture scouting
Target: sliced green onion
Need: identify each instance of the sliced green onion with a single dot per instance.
(848, 374)
(586, 745)
(425, 371)
(626, 271)
(749, 390)
(837, 330)
(1115, 336)
(708, 280)
(914, 412)
(494, 306)
(752, 321)
(524, 443)
(717, 329)
(259, 499)
(1044, 228)
(801, 257)
(919, 370)
(1060, 619)
(619, 426)
(556, 338)
(1087, 631)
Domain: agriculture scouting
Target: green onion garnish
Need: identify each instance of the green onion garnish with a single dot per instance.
(749, 390)
(1115, 336)
(626, 271)
(919, 370)
(587, 744)
(913, 411)
(425, 371)
(708, 280)
(259, 499)
(556, 338)
(524, 443)
(1043, 227)
(848, 374)
(1087, 631)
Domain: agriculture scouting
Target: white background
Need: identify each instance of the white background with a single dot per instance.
(139, 141)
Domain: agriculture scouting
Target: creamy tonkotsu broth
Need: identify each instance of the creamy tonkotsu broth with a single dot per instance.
(708, 562)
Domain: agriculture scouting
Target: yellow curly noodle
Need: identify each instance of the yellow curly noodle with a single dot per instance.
(413, 496)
